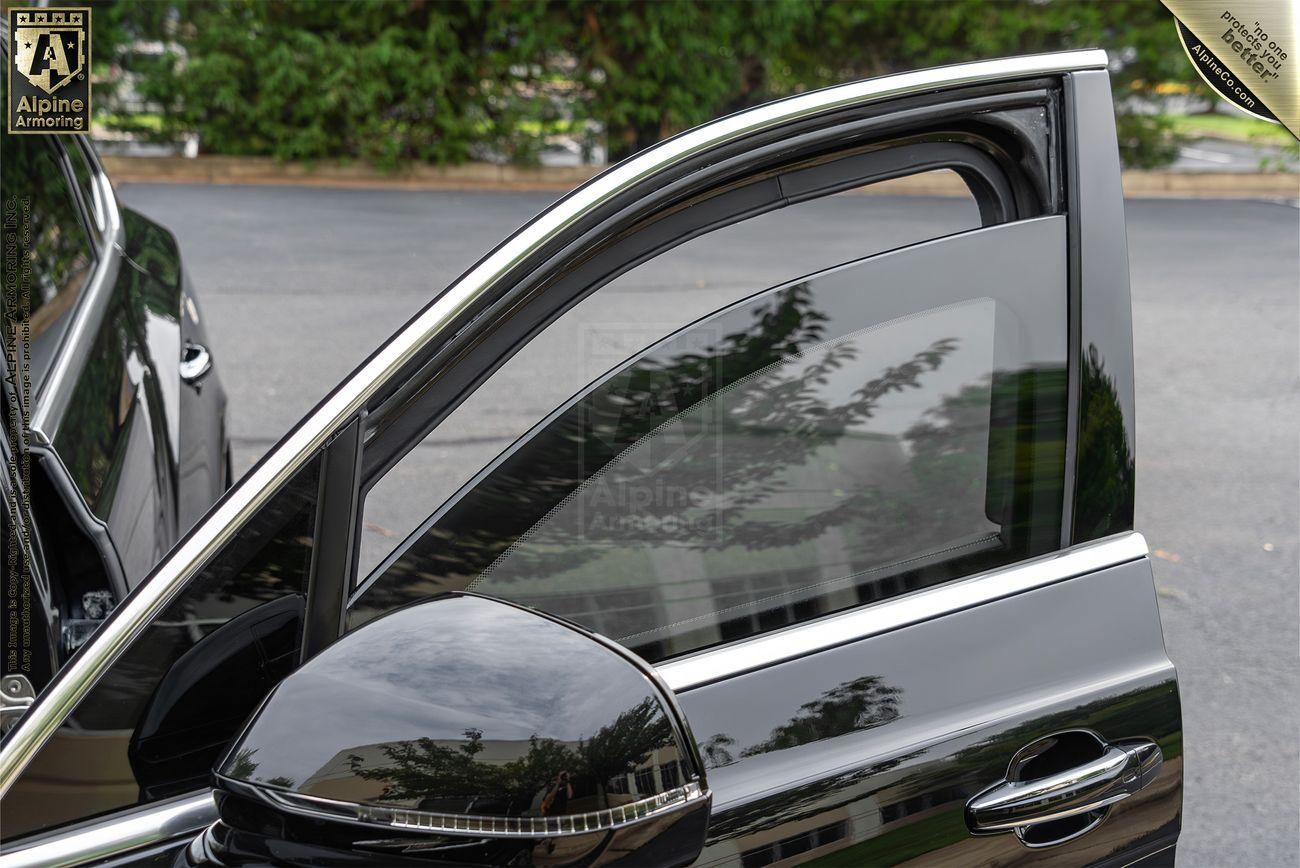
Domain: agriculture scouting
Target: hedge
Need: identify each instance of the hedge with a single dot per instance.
(394, 81)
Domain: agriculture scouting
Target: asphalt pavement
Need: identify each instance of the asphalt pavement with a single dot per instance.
(299, 284)
(1221, 155)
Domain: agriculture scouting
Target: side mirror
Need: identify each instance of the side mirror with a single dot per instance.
(208, 694)
(469, 731)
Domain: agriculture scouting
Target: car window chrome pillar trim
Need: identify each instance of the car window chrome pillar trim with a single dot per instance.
(810, 637)
(296, 448)
(55, 391)
(115, 834)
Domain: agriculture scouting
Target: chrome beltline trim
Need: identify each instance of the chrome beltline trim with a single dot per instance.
(295, 449)
(770, 649)
(116, 834)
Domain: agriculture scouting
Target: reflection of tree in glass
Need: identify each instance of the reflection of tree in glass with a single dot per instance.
(147, 289)
(1105, 504)
(997, 447)
(717, 750)
(774, 416)
(55, 244)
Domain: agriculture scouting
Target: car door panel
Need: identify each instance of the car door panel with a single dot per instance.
(175, 332)
(852, 738)
(115, 409)
(897, 731)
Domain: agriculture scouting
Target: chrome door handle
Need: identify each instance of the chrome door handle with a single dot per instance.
(196, 361)
(1123, 768)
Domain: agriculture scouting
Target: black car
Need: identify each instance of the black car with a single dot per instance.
(836, 568)
(123, 411)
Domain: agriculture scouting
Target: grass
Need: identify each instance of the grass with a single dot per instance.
(1237, 128)
(142, 121)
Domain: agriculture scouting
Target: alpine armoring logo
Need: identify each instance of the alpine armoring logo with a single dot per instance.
(49, 72)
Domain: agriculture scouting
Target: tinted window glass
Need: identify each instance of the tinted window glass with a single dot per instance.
(37, 194)
(156, 722)
(636, 310)
(867, 431)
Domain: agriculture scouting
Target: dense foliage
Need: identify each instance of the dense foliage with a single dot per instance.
(417, 80)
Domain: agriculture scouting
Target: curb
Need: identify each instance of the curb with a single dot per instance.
(1211, 185)
(487, 176)
(268, 171)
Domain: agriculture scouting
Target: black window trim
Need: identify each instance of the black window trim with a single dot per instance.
(945, 116)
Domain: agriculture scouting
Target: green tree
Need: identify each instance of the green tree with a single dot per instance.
(652, 69)
(846, 40)
(415, 80)
(384, 82)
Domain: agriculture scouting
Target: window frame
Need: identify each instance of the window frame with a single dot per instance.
(965, 238)
(94, 208)
(69, 357)
(417, 399)
(832, 158)
(94, 247)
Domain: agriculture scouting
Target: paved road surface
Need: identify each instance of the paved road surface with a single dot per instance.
(299, 284)
(1220, 155)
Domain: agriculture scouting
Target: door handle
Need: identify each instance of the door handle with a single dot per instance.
(1123, 768)
(196, 361)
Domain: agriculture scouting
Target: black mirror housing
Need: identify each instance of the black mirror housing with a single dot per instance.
(464, 730)
(209, 692)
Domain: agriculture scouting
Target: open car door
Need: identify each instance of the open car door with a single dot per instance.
(872, 523)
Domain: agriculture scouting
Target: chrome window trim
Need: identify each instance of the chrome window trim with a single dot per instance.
(810, 637)
(115, 834)
(288, 456)
(101, 189)
(55, 392)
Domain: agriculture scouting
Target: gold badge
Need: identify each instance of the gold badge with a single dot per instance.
(49, 73)
(1246, 51)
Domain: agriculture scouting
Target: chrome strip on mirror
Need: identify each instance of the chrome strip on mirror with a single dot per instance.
(230, 513)
(432, 822)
